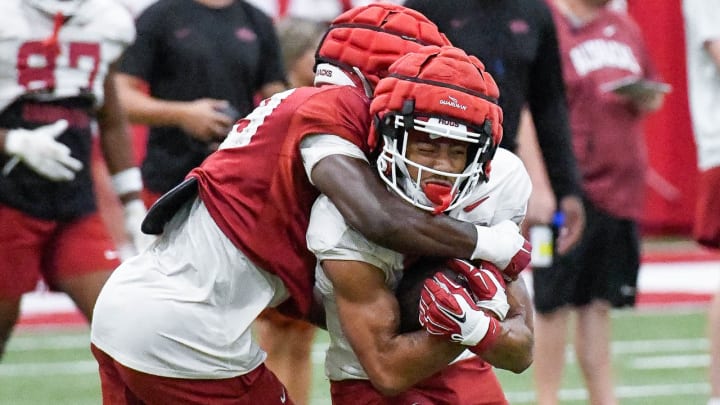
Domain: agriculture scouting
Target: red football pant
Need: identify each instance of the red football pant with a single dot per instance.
(124, 386)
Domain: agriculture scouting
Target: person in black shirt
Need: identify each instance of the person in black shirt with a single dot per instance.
(516, 39)
(203, 62)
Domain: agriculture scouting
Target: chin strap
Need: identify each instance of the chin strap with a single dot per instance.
(365, 83)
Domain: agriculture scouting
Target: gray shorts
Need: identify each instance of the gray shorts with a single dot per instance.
(603, 265)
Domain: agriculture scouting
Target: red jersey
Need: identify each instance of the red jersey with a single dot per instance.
(606, 128)
(255, 186)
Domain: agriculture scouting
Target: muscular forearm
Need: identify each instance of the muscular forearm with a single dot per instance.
(405, 360)
(141, 108)
(366, 204)
(513, 349)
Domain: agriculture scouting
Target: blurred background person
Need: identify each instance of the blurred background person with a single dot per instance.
(57, 83)
(600, 48)
(322, 11)
(702, 36)
(136, 6)
(195, 67)
(517, 41)
(287, 341)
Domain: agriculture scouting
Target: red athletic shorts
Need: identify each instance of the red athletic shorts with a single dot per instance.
(467, 382)
(123, 386)
(31, 248)
(706, 229)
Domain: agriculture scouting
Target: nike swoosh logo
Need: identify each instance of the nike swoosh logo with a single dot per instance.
(460, 319)
(474, 205)
(282, 396)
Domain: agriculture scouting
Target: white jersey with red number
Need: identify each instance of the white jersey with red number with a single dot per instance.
(503, 197)
(77, 63)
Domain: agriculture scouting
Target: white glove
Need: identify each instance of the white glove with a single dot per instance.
(504, 246)
(134, 214)
(38, 149)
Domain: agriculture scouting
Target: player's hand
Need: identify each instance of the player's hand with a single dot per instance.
(446, 309)
(205, 119)
(134, 213)
(40, 151)
(504, 246)
(486, 284)
(571, 232)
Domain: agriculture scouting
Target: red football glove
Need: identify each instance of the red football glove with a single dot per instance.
(446, 309)
(487, 285)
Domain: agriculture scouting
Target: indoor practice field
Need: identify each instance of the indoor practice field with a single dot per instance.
(659, 355)
(659, 349)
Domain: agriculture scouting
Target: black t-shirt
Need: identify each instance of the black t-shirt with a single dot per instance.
(516, 41)
(24, 189)
(186, 51)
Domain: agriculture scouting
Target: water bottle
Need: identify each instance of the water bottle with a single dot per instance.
(543, 238)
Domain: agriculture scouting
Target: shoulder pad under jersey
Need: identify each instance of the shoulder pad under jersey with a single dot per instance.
(109, 18)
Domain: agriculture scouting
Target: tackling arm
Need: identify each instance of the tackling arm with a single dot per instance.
(370, 319)
(366, 204)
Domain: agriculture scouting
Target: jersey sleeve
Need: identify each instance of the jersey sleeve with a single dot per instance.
(273, 69)
(339, 110)
(548, 105)
(317, 147)
(330, 238)
(139, 57)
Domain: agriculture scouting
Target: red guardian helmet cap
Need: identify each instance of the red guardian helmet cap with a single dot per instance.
(364, 41)
(442, 92)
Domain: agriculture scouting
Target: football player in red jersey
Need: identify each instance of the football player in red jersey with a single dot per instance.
(440, 125)
(56, 81)
(173, 323)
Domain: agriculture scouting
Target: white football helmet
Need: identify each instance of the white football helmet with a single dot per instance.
(65, 7)
(444, 93)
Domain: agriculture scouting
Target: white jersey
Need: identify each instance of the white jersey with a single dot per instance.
(183, 308)
(503, 197)
(88, 42)
(701, 25)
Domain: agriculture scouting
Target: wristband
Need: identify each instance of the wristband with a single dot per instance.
(127, 181)
(481, 243)
(493, 332)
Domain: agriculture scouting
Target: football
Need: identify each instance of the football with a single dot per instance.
(411, 284)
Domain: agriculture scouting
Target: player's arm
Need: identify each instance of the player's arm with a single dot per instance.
(115, 140)
(367, 205)
(513, 348)
(202, 118)
(116, 145)
(369, 317)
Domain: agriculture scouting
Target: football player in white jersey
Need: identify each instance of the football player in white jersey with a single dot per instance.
(55, 84)
(440, 127)
(233, 235)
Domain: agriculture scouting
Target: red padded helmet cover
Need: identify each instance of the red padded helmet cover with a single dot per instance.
(372, 37)
(444, 82)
